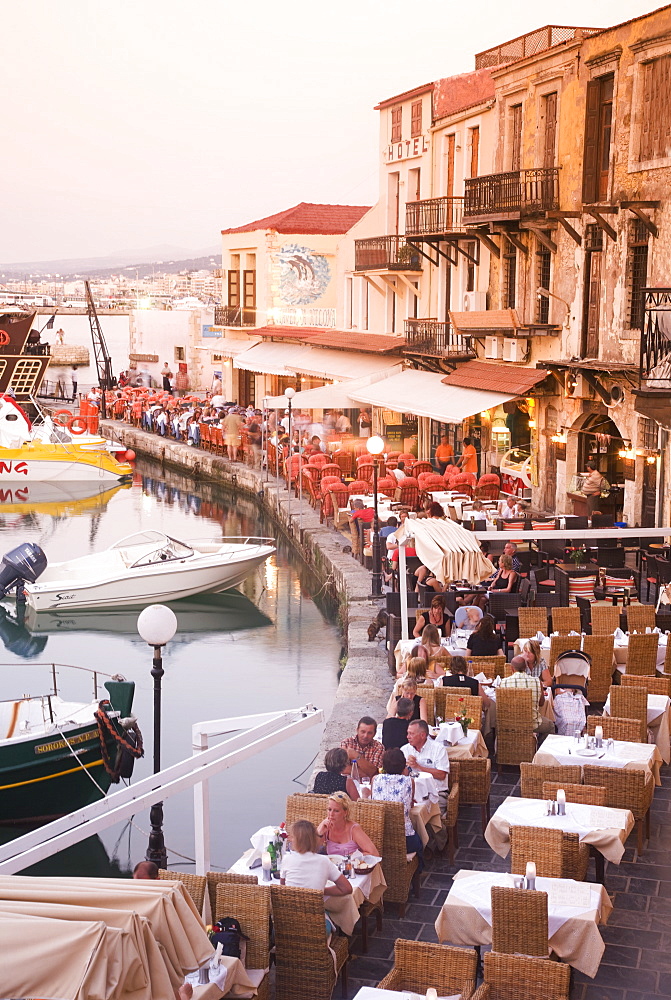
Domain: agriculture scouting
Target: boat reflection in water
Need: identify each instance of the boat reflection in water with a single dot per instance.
(57, 499)
(87, 858)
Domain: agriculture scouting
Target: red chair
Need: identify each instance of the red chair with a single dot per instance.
(488, 487)
(420, 468)
(387, 486)
(319, 459)
(345, 462)
(407, 458)
(310, 489)
(205, 439)
(392, 459)
(360, 449)
(339, 494)
(359, 486)
(365, 471)
(291, 468)
(327, 482)
(331, 469)
(464, 482)
(407, 492)
(430, 481)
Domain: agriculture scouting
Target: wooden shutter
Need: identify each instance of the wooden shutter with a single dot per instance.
(591, 143)
(396, 124)
(593, 302)
(475, 151)
(234, 288)
(656, 109)
(450, 165)
(416, 118)
(249, 289)
(516, 137)
(549, 148)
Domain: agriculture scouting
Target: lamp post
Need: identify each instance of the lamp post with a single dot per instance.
(289, 394)
(375, 447)
(157, 625)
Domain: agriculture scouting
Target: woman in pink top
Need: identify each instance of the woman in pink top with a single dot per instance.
(339, 834)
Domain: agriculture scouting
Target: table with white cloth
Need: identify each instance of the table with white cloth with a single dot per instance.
(629, 756)
(425, 813)
(659, 722)
(574, 911)
(621, 651)
(343, 910)
(603, 828)
(229, 978)
(373, 993)
(468, 746)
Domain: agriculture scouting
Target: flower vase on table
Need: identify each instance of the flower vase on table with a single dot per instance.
(463, 720)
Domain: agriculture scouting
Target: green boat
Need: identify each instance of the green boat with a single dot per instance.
(57, 756)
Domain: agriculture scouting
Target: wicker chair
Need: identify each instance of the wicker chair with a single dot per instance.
(599, 648)
(556, 854)
(560, 644)
(490, 666)
(305, 966)
(532, 620)
(475, 779)
(420, 964)
(469, 703)
(642, 655)
(625, 790)
(514, 977)
(215, 879)
(431, 696)
(588, 795)
(398, 871)
(251, 905)
(519, 922)
(515, 736)
(615, 728)
(630, 703)
(640, 616)
(532, 777)
(565, 620)
(195, 885)
(451, 816)
(605, 619)
(653, 685)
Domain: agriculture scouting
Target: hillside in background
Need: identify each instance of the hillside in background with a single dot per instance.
(167, 259)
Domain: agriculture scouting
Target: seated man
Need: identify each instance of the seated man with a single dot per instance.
(389, 527)
(399, 472)
(521, 679)
(359, 513)
(425, 755)
(145, 869)
(363, 749)
(395, 731)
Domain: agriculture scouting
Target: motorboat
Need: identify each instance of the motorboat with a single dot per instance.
(140, 569)
(51, 749)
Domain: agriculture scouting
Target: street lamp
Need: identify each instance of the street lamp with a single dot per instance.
(289, 394)
(375, 447)
(157, 625)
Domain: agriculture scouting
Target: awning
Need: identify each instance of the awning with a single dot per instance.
(424, 395)
(227, 347)
(326, 397)
(448, 550)
(268, 358)
(286, 359)
(493, 377)
(482, 321)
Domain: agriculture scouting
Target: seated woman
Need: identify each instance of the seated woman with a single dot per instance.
(395, 785)
(339, 834)
(336, 777)
(429, 643)
(407, 688)
(458, 678)
(436, 616)
(485, 640)
(438, 666)
(505, 581)
(536, 664)
(306, 868)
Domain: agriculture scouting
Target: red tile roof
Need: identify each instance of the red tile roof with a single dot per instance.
(309, 219)
(406, 95)
(457, 93)
(496, 378)
(351, 340)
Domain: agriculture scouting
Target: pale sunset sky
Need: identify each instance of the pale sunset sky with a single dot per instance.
(145, 122)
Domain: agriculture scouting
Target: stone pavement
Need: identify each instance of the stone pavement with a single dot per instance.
(637, 961)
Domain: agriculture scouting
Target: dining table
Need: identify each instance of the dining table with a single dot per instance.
(425, 812)
(659, 722)
(622, 754)
(455, 644)
(467, 746)
(227, 977)
(575, 909)
(374, 993)
(601, 827)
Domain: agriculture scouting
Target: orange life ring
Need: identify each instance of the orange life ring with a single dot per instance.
(67, 414)
(4, 337)
(78, 425)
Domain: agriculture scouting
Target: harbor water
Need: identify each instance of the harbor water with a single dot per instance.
(272, 644)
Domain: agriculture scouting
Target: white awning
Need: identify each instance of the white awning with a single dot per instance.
(227, 347)
(269, 358)
(326, 397)
(424, 395)
(273, 358)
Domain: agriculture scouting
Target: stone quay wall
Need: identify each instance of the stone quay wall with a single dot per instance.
(365, 681)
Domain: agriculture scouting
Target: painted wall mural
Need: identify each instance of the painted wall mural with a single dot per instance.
(304, 275)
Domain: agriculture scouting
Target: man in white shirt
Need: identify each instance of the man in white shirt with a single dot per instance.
(399, 472)
(430, 757)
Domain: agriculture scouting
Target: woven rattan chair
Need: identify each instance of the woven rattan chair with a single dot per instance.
(519, 921)
(640, 616)
(307, 805)
(398, 871)
(469, 703)
(451, 816)
(515, 736)
(605, 619)
(370, 814)
(428, 692)
(515, 977)
(251, 905)
(653, 685)
(588, 795)
(532, 620)
(543, 846)
(642, 654)
(625, 789)
(305, 966)
(615, 728)
(215, 879)
(630, 703)
(194, 884)
(420, 964)
(667, 658)
(532, 777)
(490, 666)
(565, 620)
(560, 644)
(475, 779)
(599, 648)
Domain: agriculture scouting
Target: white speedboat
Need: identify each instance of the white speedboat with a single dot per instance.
(146, 567)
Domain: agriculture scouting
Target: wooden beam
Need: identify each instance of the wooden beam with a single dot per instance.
(487, 242)
(645, 219)
(415, 291)
(640, 204)
(516, 242)
(371, 282)
(423, 253)
(465, 253)
(556, 214)
(601, 209)
(602, 224)
(391, 284)
(541, 235)
(567, 227)
(442, 253)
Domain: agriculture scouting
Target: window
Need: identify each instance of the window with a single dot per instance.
(414, 184)
(349, 305)
(515, 136)
(249, 289)
(637, 272)
(592, 293)
(598, 125)
(396, 124)
(180, 354)
(364, 304)
(234, 288)
(550, 129)
(415, 119)
(509, 277)
(470, 267)
(475, 151)
(655, 139)
(449, 164)
(543, 266)
(25, 376)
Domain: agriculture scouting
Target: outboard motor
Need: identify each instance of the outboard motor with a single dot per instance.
(22, 565)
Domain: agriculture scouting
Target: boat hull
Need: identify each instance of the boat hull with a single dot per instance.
(40, 463)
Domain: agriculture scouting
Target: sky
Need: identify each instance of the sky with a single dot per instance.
(137, 123)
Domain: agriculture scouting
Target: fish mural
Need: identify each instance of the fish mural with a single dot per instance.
(304, 275)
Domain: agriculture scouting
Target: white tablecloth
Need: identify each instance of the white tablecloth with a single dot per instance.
(455, 645)
(634, 756)
(659, 722)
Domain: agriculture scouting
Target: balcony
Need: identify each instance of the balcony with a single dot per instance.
(653, 396)
(234, 316)
(434, 217)
(513, 195)
(530, 44)
(430, 336)
(385, 253)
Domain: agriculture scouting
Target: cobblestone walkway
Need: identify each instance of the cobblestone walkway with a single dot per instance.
(637, 961)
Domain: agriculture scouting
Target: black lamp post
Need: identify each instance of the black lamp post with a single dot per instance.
(157, 625)
(289, 393)
(375, 447)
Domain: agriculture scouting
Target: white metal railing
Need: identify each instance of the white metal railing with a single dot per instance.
(594, 534)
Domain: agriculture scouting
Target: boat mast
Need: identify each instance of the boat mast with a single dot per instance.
(100, 352)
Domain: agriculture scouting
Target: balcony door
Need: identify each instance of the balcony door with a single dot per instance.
(592, 295)
(550, 130)
(516, 137)
(598, 125)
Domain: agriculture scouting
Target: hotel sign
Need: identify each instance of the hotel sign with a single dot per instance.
(406, 149)
(213, 331)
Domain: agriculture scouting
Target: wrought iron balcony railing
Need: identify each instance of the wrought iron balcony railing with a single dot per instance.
(538, 40)
(385, 253)
(655, 356)
(512, 194)
(430, 336)
(434, 216)
(234, 316)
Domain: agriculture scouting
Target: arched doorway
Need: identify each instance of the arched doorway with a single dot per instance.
(599, 440)
(550, 470)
